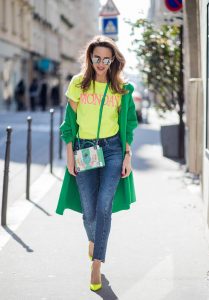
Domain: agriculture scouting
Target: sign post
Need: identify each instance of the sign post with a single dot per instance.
(109, 20)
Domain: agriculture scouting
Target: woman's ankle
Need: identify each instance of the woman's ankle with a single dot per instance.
(91, 248)
(97, 263)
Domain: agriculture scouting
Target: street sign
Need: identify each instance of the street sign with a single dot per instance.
(110, 26)
(173, 5)
(160, 14)
(109, 9)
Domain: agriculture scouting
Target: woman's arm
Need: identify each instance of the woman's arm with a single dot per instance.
(126, 168)
(70, 159)
(65, 127)
(73, 104)
(66, 135)
(132, 123)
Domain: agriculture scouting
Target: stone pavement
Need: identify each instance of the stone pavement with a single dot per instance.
(157, 250)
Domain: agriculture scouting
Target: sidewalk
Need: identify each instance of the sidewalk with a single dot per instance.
(156, 251)
(40, 138)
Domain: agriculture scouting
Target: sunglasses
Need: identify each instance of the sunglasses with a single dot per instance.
(105, 61)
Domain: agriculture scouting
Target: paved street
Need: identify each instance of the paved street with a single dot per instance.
(157, 250)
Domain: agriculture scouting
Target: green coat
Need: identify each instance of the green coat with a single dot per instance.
(125, 193)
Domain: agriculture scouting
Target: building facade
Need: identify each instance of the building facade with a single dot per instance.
(75, 32)
(42, 38)
(15, 43)
(196, 16)
(196, 91)
(203, 27)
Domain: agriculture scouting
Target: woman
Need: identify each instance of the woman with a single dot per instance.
(99, 192)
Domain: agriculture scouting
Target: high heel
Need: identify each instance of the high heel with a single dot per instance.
(95, 286)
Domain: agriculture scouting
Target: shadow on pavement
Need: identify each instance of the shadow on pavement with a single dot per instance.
(144, 135)
(17, 238)
(106, 292)
(39, 207)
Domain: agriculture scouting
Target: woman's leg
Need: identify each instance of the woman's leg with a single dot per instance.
(109, 178)
(88, 184)
(91, 248)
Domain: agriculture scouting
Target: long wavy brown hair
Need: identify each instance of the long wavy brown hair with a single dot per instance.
(114, 73)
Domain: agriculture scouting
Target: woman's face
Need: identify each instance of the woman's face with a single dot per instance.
(101, 59)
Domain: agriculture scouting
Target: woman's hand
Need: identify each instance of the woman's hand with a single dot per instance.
(126, 168)
(70, 160)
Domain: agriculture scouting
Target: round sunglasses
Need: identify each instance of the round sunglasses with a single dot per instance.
(105, 61)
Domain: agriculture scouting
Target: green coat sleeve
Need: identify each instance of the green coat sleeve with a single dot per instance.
(66, 132)
(132, 121)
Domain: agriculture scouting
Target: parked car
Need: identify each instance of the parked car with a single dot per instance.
(138, 105)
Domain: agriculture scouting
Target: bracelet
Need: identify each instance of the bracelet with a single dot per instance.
(129, 152)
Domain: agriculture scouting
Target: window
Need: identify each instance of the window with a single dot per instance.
(21, 19)
(4, 12)
(13, 21)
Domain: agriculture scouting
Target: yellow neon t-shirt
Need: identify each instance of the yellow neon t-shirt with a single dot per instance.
(89, 106)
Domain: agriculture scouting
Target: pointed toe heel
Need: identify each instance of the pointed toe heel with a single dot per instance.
(95, 287)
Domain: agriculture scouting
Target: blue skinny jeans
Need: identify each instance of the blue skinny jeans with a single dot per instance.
(97, 188)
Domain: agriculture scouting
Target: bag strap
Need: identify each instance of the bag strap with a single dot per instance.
(100, 115)
(101, 109)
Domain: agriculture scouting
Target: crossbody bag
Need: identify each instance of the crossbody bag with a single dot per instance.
(91, 157)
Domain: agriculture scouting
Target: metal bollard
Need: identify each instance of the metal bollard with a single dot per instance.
(60, 140)
(28, 158)
(6, 178)
(51, 145)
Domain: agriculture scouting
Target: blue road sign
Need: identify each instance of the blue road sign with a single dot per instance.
(110, 26)
(174, 5)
